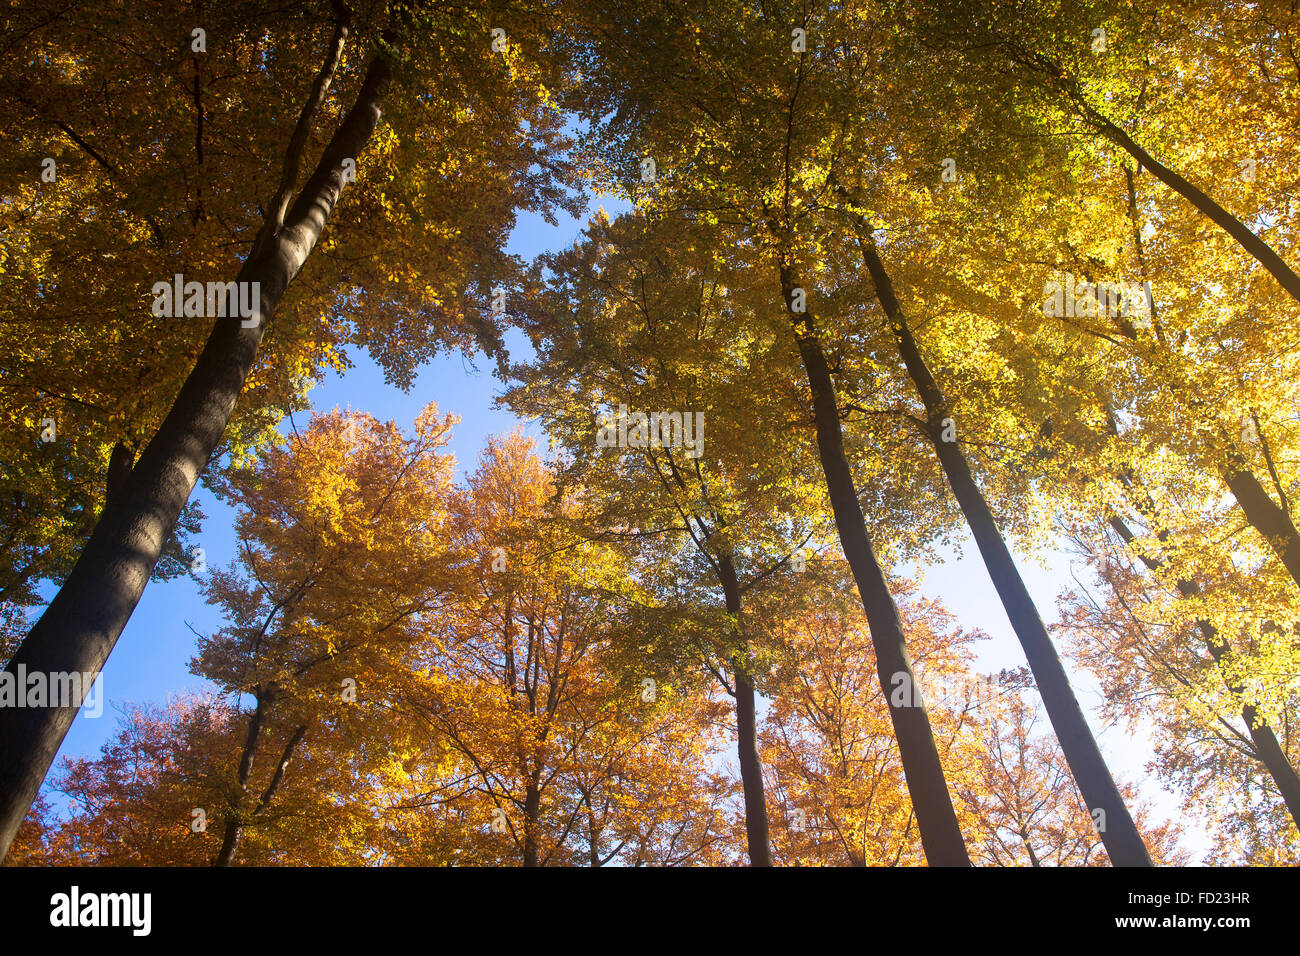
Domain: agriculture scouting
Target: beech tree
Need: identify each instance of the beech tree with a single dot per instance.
(708, 130)
(890, 273)
(833, 760)
(341, 558)
(426, 303)
(1205, 676)
(556, 756)
(381, 723)
(1134, 85)
(645, 319)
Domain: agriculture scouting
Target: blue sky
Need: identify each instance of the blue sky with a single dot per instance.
(150, 661)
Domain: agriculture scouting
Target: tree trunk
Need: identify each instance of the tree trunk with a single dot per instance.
(1033, 857)
(1257, 247)
(751, 771)
(1268, 750)
(936, 820)
(119, 469)
(83, 621)
(757, 835)
(593, 842)
(1266, 517)
(234, 828)
(235, 823)
(1118, 832)
(532, 810)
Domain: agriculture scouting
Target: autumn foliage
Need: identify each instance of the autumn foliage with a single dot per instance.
(881, 281)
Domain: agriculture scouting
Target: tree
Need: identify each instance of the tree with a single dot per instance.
(549, 747)
(645, 318)
(1026, 812)
(341, 559)
(836, 764)
(156, 795)
(77, 630)
(833, 759)
(1086, 762)
(1137, 75)
(727, 161)
(1201, 672)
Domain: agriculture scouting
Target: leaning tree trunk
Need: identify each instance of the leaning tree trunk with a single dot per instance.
(1268, 750)
(1266, 516)
(1200, 200)
(1118, 832)
(751, 761)
(83, 621)
(936, 820)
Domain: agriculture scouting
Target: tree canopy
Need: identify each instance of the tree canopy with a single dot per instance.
(882, 281)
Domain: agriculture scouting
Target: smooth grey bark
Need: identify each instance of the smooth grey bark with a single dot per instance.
(1117, 830)
(83, 621)
(936, 819)
(757, 836)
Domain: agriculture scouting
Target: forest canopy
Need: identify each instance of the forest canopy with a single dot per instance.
(853, 287)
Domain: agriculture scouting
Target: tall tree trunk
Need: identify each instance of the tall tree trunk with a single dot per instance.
(751, 762)
(1268, 750)
(1118, 832)
(231, 839)
(751, 770)
(936, 820)
(83, 621)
